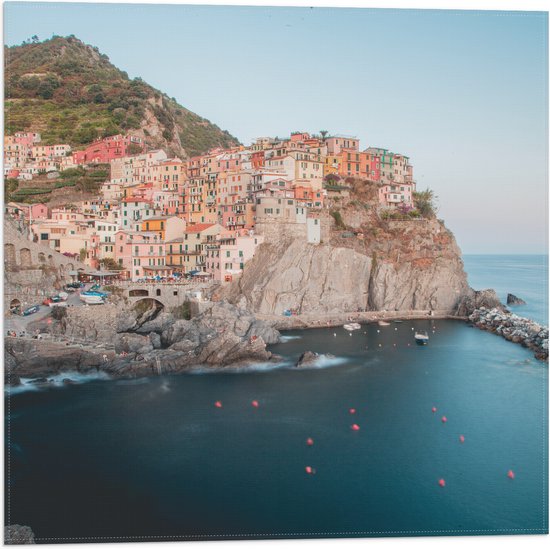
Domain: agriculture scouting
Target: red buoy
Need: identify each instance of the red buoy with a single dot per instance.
(511, 474)
(461, 438)
(441, 482)
(444, 419)
(218, 404)
(355, 427)
(352, 410)
(309, 470)
(309, 442)
(255, 403)
(434, 409)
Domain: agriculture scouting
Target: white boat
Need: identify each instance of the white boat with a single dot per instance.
(63, 295)
(352, 326)
(58, 304)
(92, 299)
(421, 338)
(383, 323)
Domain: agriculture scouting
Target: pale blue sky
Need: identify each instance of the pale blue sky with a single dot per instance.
(464, 94)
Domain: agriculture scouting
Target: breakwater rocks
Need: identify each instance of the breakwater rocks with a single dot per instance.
(513, 328)
(146, 342)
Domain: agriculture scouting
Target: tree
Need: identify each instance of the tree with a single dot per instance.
(110, 264)
(324, 134)
(332, 179)
(83, 254)
(425, 202)
(134, 148)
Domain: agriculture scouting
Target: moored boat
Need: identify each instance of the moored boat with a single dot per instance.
(352, 326)
(421, 338)
(84, 296)
(383, 323)
(92, 299)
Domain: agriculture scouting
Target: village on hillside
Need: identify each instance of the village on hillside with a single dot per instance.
(166, 218)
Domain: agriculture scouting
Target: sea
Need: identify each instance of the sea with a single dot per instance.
(405, 440)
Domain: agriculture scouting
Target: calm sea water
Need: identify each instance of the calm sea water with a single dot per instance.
(155, 459)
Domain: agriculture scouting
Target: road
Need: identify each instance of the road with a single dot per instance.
(20, 323)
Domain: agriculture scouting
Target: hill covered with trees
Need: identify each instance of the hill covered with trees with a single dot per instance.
(71, 93)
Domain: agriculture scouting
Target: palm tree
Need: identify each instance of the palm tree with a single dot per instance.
(324, 134)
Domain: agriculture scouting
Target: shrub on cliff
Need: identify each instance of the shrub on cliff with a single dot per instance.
(338, 219)
(425, 202)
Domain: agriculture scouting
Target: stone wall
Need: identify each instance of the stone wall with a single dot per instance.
(274, 230)
(32, 271)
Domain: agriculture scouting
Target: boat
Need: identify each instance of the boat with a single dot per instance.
(383, 323)
(421, 338)
(352, 326)
(92, 299)
(85, 295)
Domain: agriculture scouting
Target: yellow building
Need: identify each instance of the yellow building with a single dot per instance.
(167, 227)
(332, 164)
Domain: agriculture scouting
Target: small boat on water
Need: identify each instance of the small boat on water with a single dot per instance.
(421, 338)
(352, 326)
(383, 323)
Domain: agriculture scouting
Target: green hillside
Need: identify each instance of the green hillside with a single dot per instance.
(71, 93)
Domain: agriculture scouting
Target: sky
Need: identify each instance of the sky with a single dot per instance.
(464, 94)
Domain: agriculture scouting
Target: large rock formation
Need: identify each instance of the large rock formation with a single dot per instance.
(512, 299)
(408, 266)
(140, 341)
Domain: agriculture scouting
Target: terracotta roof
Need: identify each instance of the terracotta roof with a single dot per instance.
(135, 199)
(198, 228)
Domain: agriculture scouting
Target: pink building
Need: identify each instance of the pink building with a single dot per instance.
(136, 250)
(27, 211)
(226, 260)
(306, 196)
(107, 149)
(336, 143)
(394, 195)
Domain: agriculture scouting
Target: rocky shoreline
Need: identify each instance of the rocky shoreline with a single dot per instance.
(129, 343)
(132, 343)
(511, 327)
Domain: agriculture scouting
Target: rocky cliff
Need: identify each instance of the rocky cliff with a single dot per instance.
(364, 263)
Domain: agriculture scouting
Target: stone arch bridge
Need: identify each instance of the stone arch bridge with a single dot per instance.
(167, 294)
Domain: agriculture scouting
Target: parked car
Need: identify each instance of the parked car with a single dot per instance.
(52, 299)
(31, 310)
